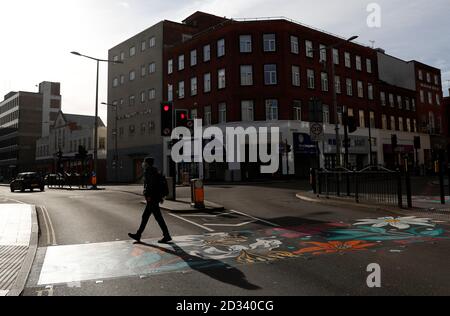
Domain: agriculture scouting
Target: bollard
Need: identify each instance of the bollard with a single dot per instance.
(198, 194)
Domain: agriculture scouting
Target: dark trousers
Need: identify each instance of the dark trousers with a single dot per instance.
(153, 208)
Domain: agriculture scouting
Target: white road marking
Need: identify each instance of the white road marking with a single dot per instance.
(231, 225)
(256, 218)
(207, 215)
(47, 229)
(191, 222)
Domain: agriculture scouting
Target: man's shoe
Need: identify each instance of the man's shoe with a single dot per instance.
(135, 237)
(165, 240)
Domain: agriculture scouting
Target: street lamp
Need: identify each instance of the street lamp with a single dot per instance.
(335, 105)
(116, 136)
(96, 107)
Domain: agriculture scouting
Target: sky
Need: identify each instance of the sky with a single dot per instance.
(37, 36)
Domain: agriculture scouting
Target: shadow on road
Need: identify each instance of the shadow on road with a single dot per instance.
(232, 276)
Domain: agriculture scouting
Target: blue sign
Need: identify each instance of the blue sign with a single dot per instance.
(304, 145)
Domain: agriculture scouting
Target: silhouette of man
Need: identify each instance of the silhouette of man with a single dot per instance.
(153, 196)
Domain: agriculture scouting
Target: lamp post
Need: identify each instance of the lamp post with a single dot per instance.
(96, 108)
(335, 105)
(116, 136)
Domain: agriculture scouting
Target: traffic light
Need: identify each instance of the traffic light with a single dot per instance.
(394, 142)
(166, 118)
(352, 127)
(181, 118)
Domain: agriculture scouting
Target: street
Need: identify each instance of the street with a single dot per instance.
(266, 243)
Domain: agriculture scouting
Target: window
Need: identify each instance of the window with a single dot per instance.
(383, 98)
(420, 75)
(428, 77)
(349, 87)
(415, 125)
(181, 90)
(143, 71)
(369, 65)
(247, 111)
(245, 43)
(422, 96)
(152, 68)
(413, 105)
(143, 46)
(431, 120)
(207, 82)
(370, 91)
(400, 102)
(337, 81)
(336, 56)
(132, 51)
(358, 63)
(348, 60)
(324, 81)
(384, 122)
(193, 86)
(194, 114)
(297, 107)
(438, 99)
(115, 82)
(122, 79)
(393, 123)
(132, 100)
(221, 48)
(102, 143)
(170, 66)
(170, 93)
(142, 97)
(309, 49)
(407, 104)
(294, 45)
(193, 57)
(143, 128)
(132, 75)
(208, 115)
(222, 113)
(436, 80)
(131, 129)
(269, 42)
(270, 74)
(181, 62)
(360, 89)
(401, 127)
(207, 53)
(323, 53)
(408, 125)
(362, 119)
(391, 100)
(116, 58)
(372, 119)
(152, 42)
(296, 76)
(246, 75)
(122, 56)
(221, 79)
(311, 78)
(152, 94)
(326, 114)
(271, 110)
(430, 98)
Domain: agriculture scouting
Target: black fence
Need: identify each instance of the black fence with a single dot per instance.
(374, 184)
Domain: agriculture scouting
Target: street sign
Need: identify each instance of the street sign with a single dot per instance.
(317, 132)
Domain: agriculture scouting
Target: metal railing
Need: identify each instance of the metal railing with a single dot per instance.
(373, 184)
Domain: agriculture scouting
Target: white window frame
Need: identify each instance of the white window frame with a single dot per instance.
(170, 66)
(311, 78)
(296, 81)
(181, 62)
(207, 82)
(247, 111)
(194, 86)
(222, 113)
(295, 46)
(349, 87)
(324, 81)
(181, 91)
(358, 61)
(206, 53)
(338, 85)
(221, 79)
(221, 47)
(245, 43)
(270, 44)
(246, 72)
(170, 93)
(270, 75)
(323, 53)
(309, 46)
(336, 56)
(369, 65)
(208, 115)
(272, 109)
(193, 57)
(348, 60)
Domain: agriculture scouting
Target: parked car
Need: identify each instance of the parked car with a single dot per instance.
(54, 180)
(27, 181)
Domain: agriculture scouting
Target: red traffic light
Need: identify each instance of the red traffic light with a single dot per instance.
(166, 108)
(183, 116)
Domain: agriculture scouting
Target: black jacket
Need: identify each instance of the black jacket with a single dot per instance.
(152, 184)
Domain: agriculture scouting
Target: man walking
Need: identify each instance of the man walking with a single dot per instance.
(154, 196)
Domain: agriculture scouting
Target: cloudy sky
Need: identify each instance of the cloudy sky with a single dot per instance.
(37, 36)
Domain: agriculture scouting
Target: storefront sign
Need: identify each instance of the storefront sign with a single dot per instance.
(304, 145)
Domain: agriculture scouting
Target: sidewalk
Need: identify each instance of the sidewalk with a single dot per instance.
(18, 245)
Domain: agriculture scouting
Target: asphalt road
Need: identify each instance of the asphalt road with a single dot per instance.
(84, 238)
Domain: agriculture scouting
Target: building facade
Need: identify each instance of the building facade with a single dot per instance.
(66, 135)
(24, 118)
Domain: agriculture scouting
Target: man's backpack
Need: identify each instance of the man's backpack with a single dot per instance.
(164, 186)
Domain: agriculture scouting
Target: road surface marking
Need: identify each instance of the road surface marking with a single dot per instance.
(46, 225)
(231, 225)
(191, 222)
(207, 215)
(50, 224)
(256, 218)
(17, 201)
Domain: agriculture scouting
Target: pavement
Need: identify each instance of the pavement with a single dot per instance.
(18, 245)
(266, 242)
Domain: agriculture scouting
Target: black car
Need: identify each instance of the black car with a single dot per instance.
(27, 181)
